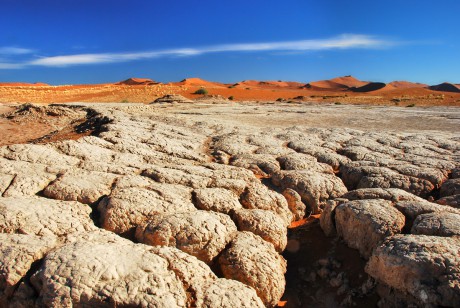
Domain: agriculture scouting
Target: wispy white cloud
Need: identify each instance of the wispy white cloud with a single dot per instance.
(10, 66)
(348, 41)
(9, 50)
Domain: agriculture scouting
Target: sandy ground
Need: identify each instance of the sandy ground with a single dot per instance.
(16, 129)
(275, 114)
(401, 119)
(253, 90)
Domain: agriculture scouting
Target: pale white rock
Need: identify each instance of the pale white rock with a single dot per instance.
(314, 188)
(127, 207)
(44, 154)
(5, 181)
(258, 196)
(44, 217)
(200, 233)
(254, 262)
(102, 273)
(364, 224)
(412, 209)
(295, 204)
(263, 223)
(17, 253)
(194, 274)
(81, 185)
(29, 178)
(392, 194)
(300, 161)
(228, 293)
(216, 199)
(427, 267)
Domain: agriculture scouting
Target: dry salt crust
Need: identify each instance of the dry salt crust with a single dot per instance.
(165, 206)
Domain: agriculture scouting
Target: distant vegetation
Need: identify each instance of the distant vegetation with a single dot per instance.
(202, 91)
(231, 97)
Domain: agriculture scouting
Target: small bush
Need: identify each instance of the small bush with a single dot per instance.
(202, 91)
(125, 101)
(231, 97)
(337, 103)
(411, 105)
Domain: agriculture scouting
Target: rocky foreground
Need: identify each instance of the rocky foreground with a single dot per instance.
(171, 206)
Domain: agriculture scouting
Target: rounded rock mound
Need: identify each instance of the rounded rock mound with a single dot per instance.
(201, 234)
(254, 262)
(172, 98)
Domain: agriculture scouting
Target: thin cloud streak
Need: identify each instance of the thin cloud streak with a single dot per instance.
(9, 51)
(348, 41)
(10, 66)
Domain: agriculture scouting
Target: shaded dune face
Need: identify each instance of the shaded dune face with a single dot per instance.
(191, 205)
(446, 87)
(137, 82)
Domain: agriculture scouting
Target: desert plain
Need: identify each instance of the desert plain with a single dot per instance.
(258, 194)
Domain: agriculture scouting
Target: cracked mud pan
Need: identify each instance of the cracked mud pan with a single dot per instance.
(233, 205)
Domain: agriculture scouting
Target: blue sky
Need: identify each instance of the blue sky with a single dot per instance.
(90, 41)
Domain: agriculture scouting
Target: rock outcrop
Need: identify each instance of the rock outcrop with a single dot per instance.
(213, 197)
(172, 98)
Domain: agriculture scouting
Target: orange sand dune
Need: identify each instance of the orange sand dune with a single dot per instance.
(400, 84)
(269, 84)
(326, 85)
(349, 81)
(198, 82)
(339, 83)
(137, 82)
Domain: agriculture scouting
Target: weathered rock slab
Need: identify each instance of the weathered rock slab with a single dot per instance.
(44, 217)
(200, 233)
(102, 273)
(17, 254)
(265, 224)
(254, 262)
(81, 185)
(437, 223)
(427, 267)
(216, 199)
(314, 188)
(364, 224)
